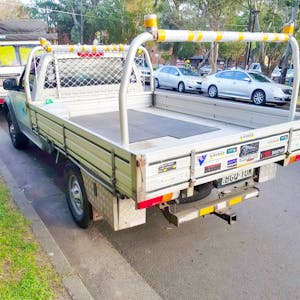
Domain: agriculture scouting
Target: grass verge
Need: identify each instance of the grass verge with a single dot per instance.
(25, 272)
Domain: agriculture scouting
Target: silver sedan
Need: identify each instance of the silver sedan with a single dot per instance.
(181, 79)
(246, 85)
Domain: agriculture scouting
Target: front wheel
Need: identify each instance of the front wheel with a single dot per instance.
(259, 97)
(212, 91)
(78, 203)
(18, 139)
(181, 87)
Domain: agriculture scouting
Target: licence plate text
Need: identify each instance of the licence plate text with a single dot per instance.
(236, 176)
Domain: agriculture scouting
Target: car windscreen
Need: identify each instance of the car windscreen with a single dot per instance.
(8, 56)
(187, 72)
(260, 78)
(24, 53)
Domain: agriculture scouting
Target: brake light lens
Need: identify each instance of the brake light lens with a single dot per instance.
(1, 101)
(91, 54)
(294, 158)
(155, 201)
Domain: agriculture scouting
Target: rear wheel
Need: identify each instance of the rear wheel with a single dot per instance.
(181, 87)
(156, 82)
(259, 97)
(213, 91)
(78, 203)
(18, 139)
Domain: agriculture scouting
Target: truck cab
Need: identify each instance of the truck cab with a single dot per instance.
(17, 39)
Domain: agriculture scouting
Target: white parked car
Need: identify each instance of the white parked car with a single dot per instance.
(143, 69)
(178, 78)
(246, 85)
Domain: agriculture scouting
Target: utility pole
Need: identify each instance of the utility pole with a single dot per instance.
(253, 17)
(81, 24)
(285, 59)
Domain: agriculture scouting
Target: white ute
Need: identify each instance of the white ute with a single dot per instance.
(127, 148)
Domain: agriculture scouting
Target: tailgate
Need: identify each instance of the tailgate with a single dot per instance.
(174, 169)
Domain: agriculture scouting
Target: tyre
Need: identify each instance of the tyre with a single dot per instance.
(201, 191)
(181, 87)
(156, 83)
(259, 97)
(80, 207)
(18, 139)
(212, 91)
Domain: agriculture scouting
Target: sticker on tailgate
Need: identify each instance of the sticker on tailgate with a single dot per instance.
(249, 151)
(167, 167)
(272, 152)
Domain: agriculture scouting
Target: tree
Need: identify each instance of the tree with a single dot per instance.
(231, 51)
(217, 13)
(13, 9)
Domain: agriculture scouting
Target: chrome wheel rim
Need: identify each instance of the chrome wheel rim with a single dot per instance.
(12, 132)
(258, 97)
(180, 87)
(212, 91)
(75, 194)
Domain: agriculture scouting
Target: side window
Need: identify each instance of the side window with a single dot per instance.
(165, 70)
(241, 76)
(226, 75)
(173, 71)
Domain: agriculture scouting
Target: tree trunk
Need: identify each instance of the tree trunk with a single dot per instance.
(214, 57)
(174, 53)
(205, 58)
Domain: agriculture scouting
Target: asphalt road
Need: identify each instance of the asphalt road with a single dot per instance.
(256, 258)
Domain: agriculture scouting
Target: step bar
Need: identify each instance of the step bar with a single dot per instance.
(220, 206)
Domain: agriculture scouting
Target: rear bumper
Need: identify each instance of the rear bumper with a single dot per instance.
(186, 212)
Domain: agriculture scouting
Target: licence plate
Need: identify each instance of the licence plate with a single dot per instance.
(236, 176)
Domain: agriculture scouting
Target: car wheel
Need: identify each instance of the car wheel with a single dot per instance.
(156, 83)
(181, 87)
(259, 97)
(78, 203)
(18, 139)
(213, 91)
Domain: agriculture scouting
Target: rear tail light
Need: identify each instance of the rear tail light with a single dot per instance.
(91, 54)
(1, 101)
(294, 158)
(155, 201)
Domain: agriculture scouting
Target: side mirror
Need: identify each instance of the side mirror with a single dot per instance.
(10, 84)
(247, 79)
(177, 74)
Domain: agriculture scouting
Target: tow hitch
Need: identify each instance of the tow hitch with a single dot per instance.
(213, 204)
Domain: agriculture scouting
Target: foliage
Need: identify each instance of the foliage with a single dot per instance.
(187, 50)
(119, 21)
(231, 51)
(13, 9)
(24, 274)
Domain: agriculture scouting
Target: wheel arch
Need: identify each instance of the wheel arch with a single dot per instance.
(10, 111)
